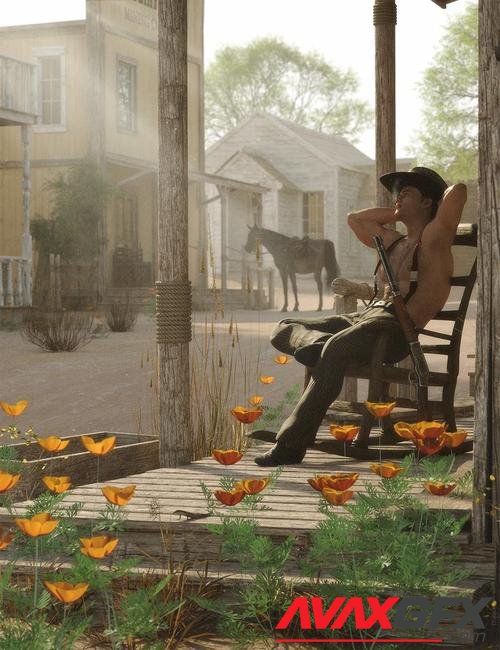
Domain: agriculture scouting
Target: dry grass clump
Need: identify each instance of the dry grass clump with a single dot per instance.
(121, 315)
(222, 374)
(58, 331)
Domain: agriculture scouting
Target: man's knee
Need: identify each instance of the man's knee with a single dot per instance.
(281, 333)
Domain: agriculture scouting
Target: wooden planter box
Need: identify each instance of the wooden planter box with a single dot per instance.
(133, 453)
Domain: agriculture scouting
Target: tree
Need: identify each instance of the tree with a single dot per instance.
(270, 76)
(448, 140)
(78, 199)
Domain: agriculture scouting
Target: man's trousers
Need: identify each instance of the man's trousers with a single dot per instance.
(348, 338)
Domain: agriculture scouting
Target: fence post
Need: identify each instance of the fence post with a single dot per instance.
(271, 288)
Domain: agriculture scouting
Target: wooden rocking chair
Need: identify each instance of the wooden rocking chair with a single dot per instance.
(381, 375)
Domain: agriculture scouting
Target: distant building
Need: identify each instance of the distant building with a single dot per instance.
(97, 87)
(313, 181)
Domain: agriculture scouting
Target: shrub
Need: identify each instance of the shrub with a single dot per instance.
(121, 315)
(58, 331)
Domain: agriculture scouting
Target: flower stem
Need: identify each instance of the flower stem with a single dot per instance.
(35, 585)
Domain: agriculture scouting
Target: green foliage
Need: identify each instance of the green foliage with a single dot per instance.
(437, 468)
(273, 415)
(260, 603)
(449, 89)
(78, 200)
(37, 634)
(9, 461)
(267, 75)
(142, 613)
(465, 485)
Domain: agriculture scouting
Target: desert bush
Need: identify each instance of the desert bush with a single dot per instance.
(58, 331)
(121, 315)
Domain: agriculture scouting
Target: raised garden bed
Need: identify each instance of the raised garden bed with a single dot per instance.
(133, 453)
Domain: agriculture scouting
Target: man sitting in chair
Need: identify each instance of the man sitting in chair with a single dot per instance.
(431, 212)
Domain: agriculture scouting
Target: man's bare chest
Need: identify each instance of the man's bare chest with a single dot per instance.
(401, 258)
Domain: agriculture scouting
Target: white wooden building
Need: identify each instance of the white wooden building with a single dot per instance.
(313, 181)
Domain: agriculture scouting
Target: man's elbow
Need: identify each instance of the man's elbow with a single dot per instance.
(351, 220)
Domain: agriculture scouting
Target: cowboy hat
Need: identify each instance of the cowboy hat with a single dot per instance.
(426, 180)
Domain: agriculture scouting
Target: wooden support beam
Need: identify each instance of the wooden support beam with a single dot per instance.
(173, 289)
(384, 19)
(486, 509)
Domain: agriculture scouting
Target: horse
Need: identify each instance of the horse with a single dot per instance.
(292, 255)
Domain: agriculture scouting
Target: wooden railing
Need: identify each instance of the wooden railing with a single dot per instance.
(253, 279)
(15, 282)
(17, 85)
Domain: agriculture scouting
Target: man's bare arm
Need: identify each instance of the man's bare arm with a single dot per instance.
(370, 222)
(441, 230)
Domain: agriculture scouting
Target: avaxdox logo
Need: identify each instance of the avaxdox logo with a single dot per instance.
(412, 612)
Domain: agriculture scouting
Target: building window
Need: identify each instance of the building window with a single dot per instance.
(313, 214)
(126, 221)
(126, 90)
(51, 89)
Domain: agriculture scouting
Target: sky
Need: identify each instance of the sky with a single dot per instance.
(340, 30)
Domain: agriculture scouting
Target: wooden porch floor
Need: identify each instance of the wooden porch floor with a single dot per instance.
(159, 532)
(158, 522)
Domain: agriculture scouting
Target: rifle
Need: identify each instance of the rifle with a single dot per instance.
(411, 336)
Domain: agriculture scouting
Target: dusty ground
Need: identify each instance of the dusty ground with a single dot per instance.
(106, 385)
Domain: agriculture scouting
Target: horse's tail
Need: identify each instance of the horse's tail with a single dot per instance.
(331, 265)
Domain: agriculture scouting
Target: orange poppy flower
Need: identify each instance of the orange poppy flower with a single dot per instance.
(66, 592)
(227, 456)
(100, 448)
(6, 537)
(429, 446)
(439, 488)
(338, 481)
(404, 430)
(14, 409)
(53, 443)
(229, 498)
(344, 432)
(7, 481)
(337, 497)
(118, 496)
(247, 416)
(281, 359)
(57, 484)
(266, 379)
(38, 525)
(388, 469)
(255, 400)
(454, 438)
(424, 429)
(380, 409)
(99, 546)
(252, 485)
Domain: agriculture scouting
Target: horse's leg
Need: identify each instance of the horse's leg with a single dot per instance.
(284, 279)
(293, 280)
(317, 277)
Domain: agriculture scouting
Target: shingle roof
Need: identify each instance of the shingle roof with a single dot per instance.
(339, 150)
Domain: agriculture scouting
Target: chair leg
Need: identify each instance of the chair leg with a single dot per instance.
(449, 405)
(376, 390)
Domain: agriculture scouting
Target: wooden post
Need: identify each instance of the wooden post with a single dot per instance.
(173, 306)
(27, 244)
(486, 509)
(96, 129)
(224, 204)
(384, 19)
